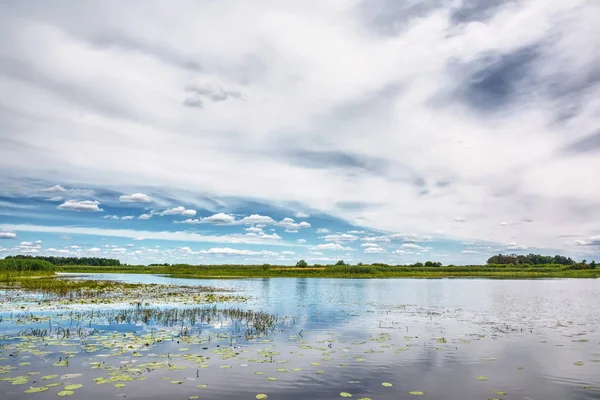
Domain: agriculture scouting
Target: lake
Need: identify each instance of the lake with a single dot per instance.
(333, 338)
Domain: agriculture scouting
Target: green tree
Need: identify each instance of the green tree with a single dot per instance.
(301, 264)
(340, 262)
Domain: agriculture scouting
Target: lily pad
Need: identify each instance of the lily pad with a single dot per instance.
(48, 377)
(261, 396)
(387, 384)
(36, 389)
(345, 394)
(74, 386)
(417, 393)
(482, 378)
(66, 393)
(119, 385)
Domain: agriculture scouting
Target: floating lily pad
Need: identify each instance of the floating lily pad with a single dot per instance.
(203, 386)
(74, 386)
(261, 396)
(36, 389)
(272, 378)
(482, 378)
(417, 393)
(119, 385)
(55, 384)
(48, 377)
(387, 384)
(66, 393)
(499, 392)
(345, 394)
(177, 382)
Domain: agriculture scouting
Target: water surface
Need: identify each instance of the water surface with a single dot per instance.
(447, 338)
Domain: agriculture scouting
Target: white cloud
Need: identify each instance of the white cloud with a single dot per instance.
(383, 239)
(591, 241)
(289, 223)
(84, 205)
(141, 235)
(302, 215)
(55, 198)
(323, 230)
(330, 246)
(291, 231)
(55, 189)
(287, 253)
(369, 245)
(340, 238)
(145, 216)
(236, 252)
(7, 235)
(179, 211)
(400, 251)
(127, 217)
(375, 250)
(253, 229)
(217, 219)
(301, 241)
(256, 219)
(93, 250)
(135, 198)
(514, 246)
(411, 246)
(459, 219)
(110, 217)
(452, 153)
(469, 251)
(353, 232)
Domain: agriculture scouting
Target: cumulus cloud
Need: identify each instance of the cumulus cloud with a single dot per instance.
(290, 224)
(300, 214)
(411, 246)
(55, 198)
(237, 252)
(135, 198)
(330, 246)
(591, 241)
(323, 230)
(301, 241)
(7, 235)
(127, 217)
(55, 189)
(469, 251)
(145, 216)
(179, 211)
(515, 247)
(83, 205)
(114, 217)
(344, 237)
(375, 250)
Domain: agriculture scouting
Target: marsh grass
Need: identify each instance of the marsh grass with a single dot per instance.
(346, 271)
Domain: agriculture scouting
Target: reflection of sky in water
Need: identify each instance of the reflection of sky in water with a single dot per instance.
(453, 330)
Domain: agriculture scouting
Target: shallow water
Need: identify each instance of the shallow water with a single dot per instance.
(535, 339)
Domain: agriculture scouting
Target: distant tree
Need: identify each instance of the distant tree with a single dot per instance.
(359, 264)
(593, 264)
(418, 264)
(301, 264)
(340, 262)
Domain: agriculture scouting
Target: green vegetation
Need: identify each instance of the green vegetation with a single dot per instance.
(352, 271)
(69, 260)
(509, 267)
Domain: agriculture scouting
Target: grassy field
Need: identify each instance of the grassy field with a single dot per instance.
(365, 271)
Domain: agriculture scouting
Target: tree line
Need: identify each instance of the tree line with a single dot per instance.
(92, 261)
(533, 259)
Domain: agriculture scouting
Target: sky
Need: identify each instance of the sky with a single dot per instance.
(244, 132)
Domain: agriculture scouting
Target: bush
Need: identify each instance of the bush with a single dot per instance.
(301, 264)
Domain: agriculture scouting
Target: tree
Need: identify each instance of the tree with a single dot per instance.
(340, 262)
(301, 264)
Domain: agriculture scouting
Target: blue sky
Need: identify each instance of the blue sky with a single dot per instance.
(247, 133)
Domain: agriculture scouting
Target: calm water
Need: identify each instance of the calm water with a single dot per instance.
(449, 338)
